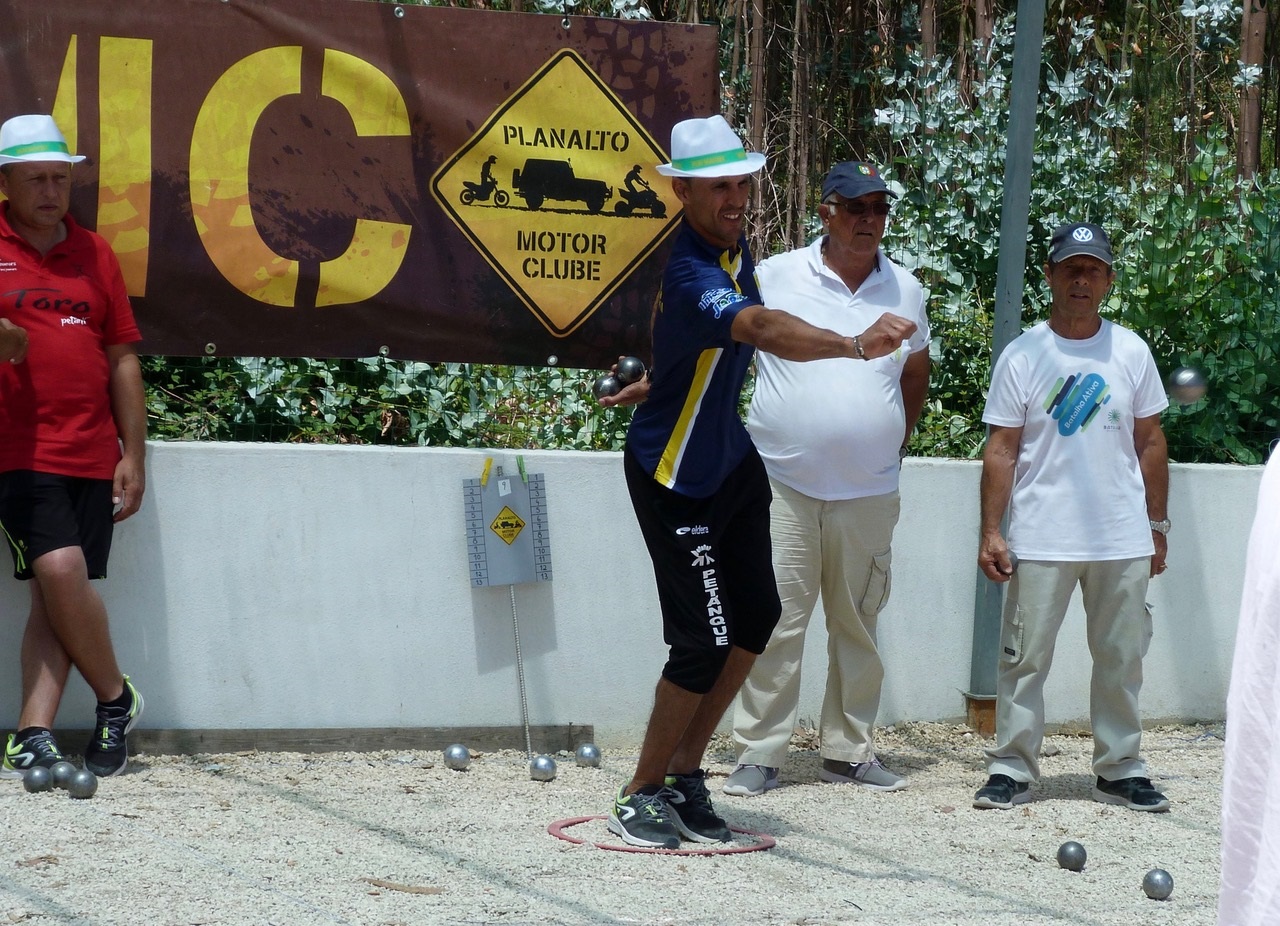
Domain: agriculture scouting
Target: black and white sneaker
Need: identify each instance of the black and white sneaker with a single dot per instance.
(644, 819)
(1134, 793)
(26, 749)
(691, 809)
(108, 751)
(1000, 793)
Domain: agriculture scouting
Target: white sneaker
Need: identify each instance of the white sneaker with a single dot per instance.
(751, 780)
(871, 775)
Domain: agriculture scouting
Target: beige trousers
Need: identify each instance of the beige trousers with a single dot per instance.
(841, 551)
(1118, 629)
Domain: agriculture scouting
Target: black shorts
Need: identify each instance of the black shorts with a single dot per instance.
(42, 512)
(712, 558)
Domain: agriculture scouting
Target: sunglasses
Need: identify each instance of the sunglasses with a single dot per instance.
(856, 208)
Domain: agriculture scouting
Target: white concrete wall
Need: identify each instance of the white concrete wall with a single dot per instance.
(267, 586)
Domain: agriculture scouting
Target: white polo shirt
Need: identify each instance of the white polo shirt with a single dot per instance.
(832, 428)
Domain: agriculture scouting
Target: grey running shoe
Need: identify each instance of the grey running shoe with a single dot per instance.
(1134, 793)
(871, 775)
(751, 780)
(37, 748)
(643, 819)
(691, 809)
(1000, 793)
(108, 751)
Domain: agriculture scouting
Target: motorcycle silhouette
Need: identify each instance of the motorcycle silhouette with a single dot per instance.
(630, 201)
(481, 192)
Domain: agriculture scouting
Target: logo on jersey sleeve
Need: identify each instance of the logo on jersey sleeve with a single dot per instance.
(716, 301)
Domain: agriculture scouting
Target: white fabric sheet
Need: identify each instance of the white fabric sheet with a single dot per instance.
(1250, 894)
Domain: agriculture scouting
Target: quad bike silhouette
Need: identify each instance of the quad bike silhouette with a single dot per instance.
(480, 192)
(630, 201)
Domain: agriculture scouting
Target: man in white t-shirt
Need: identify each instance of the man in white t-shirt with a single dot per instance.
(831, 434)
(1076, 454)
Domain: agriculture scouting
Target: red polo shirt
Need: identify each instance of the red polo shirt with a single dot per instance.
(55, 407)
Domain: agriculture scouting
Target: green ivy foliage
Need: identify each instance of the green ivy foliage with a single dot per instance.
(1196, 262)
(377, 401)
(1204, 261)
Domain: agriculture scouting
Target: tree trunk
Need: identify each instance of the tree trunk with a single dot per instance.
(1253, 40)
(984, 22)
(929, 29)
(1273, 67)
(984, 27)
(738, 12)
(798, 131)
(757, 69)
(964, 60)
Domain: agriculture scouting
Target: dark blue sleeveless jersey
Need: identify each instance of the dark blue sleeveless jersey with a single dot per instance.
(688, 434)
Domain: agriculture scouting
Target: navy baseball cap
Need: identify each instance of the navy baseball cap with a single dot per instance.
(1080, 238)
(852, 179)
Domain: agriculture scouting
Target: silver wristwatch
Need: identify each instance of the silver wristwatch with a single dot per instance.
(1161, 526)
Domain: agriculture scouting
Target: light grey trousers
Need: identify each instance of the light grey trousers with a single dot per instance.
(1118, 630)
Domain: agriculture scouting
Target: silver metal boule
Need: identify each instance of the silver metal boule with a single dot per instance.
(630, 370)
(542, 768)
(84, 784)
(606, 385)
(37, 779)
(1187, 385)
(588, 755)
(1071, 856)
(1158, 884)
(457, 757)
(62, 772)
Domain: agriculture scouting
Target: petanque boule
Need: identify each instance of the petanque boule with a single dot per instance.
(457, 757)
(83, 785)
(542, 768)
(1187, 385)
(587, 755)
(1071, 856)
(62, 772)
(606, 385)
(630, 370)
(37, 779)
(1157, 884)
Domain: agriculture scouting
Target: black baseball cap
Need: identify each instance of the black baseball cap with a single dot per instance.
(1080, 238)
(852, 179)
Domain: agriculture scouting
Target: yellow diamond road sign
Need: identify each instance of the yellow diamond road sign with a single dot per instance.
(558, 191)
(507, 525)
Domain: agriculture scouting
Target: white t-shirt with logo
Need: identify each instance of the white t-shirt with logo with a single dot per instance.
(1078, 493)
(832, 428)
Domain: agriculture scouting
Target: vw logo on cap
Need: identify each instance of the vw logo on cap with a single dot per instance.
(1082, 234)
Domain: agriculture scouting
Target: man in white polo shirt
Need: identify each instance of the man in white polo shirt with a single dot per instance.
(831, 434)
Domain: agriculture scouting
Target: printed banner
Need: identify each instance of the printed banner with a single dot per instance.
(341, 178)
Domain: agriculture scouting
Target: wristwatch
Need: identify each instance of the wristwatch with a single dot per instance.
(1161, 526)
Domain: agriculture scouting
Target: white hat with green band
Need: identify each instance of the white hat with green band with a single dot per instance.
(33, 138)
(708, 148)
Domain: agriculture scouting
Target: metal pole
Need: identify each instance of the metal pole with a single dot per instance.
(1028, 46)
(524, 701)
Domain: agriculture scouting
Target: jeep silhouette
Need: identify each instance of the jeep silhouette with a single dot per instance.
(543, 179)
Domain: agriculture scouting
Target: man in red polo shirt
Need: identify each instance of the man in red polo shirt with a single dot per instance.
(72, 440)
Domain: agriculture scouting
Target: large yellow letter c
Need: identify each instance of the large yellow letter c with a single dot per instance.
(219, 177)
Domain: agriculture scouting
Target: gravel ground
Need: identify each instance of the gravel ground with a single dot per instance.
(397, 839)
